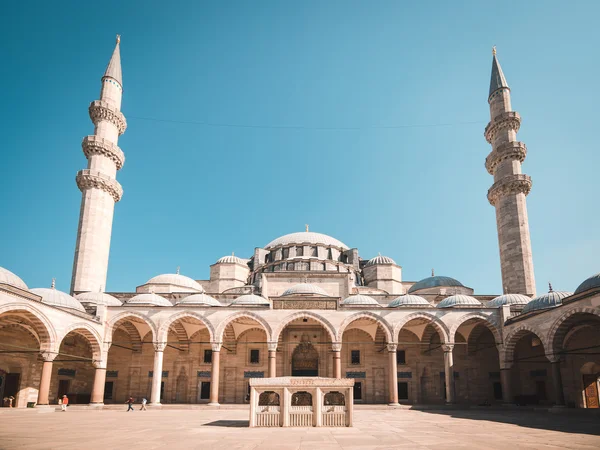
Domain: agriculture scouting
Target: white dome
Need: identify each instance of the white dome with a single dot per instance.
(508, 299)
(7, 277)
(306, 237)
(198, 299)
(408, 300)
(150, 299)
(305, 289)
(359, 299)
(251, 299)
(459, 300)
(98, 298)
(176, 280)
(231, 259)
(380, 260)
(58, 298)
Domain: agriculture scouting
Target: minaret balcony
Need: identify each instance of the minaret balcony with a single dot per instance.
(92, 179)
(101, 110)
(96, 145)
(509, 120)
(510, 185)
(509, 150)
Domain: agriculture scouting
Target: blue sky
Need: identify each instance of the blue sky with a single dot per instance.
(338, 73)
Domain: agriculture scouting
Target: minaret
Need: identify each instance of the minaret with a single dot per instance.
(98, 185)
(510, 187)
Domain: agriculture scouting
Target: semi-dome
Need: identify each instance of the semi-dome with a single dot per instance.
(148, 299)
(590, 283)
(435, 281)
(306, 237)
(508, 299)
(305, 289)
(198, 299)
(549, 300)
(409, 301)
(379, 259)
(231, 259)
(359, 299)
(251, 299)
(7, 277)
(98, 298)
(58, 298)
(176, 279)
(459, 300)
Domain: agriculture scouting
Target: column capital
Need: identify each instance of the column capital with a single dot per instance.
(159, 346)
(554, 359)
(48, 356)
(216, 346)
(336, 346)
(272, 346)
(392, 347)
(447, 347)
(99, 364)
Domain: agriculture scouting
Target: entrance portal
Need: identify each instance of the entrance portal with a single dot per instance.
(305, 359)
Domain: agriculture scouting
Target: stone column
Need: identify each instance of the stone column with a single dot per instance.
(318, 406)
(449, 372)
(337, 359)
(214, 375)
(285, 408)
(350, 406)
(97, 398)
(44, 390)
(393, 373)
(505, 375)
(253, 407)
(272, 346)
(558, 386)
(159, 351)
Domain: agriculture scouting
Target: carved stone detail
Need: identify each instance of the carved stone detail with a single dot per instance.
(216, 346)
(101, 110)
(510, 120)
(272, 346)
(48, 356)
(509, 150)
(159, 346)
(88, 179)
(509, 185)
(392, 347)
(336, 346)
(99, 364)
(95, 145)
(448, 347)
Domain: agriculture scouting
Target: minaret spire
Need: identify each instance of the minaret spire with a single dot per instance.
(510, 188)
(98, 185)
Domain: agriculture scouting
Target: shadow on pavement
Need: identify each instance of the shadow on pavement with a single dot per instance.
(228, 423)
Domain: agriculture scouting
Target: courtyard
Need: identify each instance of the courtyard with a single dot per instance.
(228, 429)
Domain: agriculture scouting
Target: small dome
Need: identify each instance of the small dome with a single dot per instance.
(251, 299)
(231, 259)
(149, 299)
(435, 281)
(546, 301)
(176, 280)
(198, 299)
(98, 298)
(7, 277)
(508, 299)
(58, 298)
(359, 299)
(306, 237)
(590, 283)
(305, 289)
(408, 300)
(459, 300)
(380, 260)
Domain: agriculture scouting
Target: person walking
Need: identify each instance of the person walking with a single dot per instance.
(130, 404)
(64, 403)
(144, 401)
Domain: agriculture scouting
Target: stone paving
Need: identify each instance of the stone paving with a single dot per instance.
(227, 429)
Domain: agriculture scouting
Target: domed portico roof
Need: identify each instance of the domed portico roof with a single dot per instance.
(549, 300)
(459, 301)
(408, 300)
(306, 237)
(7, 277)
(590, 283)
(305, 289)
(58, 298)
(98, 298)
(231, 259)
(359, 299)
(250, 300)
(148, 299)
(508, 299)
(435, 281)
(176, 279)
(379, 259)
(198, 299)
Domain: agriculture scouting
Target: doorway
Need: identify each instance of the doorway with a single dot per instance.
(357, 391)
(11, 386)
(590, 386)
(305, 360)
(402, 390)
(108, 390)
(497, 390)
(63, 387)
(205, 390)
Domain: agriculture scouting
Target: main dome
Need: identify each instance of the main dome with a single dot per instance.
(306, 237)
(436, 281)
(305, 289)
(7, 277)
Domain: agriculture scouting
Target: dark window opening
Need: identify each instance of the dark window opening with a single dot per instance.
(355, 357)
(357, 390)
(208, 356)
(254, 356)
(205, 390)
(497, 390)
(401, 357)
(402, 391)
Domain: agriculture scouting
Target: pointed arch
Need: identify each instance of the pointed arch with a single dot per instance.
(170, 321)
(513, 337)
(218, 336)
(90, 333)
(305, 315)
(486, 319)
(439, 326)
(387, 328)
(117, 320)
(560, 327)
(42, 325)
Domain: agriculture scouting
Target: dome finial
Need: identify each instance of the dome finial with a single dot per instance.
(53, 285)
(306, 226)
(118, 38)
(177, 270)
(379, 253)
(232, 253)
(549, 287)
(432, 273)
(494, 50)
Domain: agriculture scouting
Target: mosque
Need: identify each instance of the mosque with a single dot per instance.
(304, 304)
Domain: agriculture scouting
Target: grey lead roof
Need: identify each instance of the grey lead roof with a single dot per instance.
(113, 70)
(498, 81)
